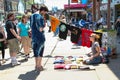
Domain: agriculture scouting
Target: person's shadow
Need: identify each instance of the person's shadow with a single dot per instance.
(32, 75)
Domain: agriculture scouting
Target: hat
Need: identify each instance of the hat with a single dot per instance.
(9, 15)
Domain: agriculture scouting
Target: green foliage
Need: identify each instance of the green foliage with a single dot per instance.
(28, 2)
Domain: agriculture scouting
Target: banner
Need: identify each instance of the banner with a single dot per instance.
(84, 1)
(74, 1)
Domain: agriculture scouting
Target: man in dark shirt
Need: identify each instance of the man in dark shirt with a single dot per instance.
(12, 38)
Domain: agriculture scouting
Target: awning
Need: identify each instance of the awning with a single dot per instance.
(75, 10)
(75, 6)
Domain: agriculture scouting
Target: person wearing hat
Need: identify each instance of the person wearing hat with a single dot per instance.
(37, 25)
(12, 37)
(94, 55)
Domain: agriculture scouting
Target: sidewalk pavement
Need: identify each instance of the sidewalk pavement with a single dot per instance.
(54, 47)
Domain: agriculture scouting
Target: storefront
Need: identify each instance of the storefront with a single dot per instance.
(14, 6)
(76, 10)
(117, 11)
(1, 10)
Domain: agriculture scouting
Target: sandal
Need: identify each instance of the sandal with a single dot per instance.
(39, 68)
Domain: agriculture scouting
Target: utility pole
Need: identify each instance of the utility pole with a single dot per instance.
(33, 1)
(4, 7)
(25, 4)
(108, 14)
(68, 10)
(98, 6)
(94, 11)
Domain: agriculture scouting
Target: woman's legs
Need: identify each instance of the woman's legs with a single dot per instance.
(3, 52)
(26, 46)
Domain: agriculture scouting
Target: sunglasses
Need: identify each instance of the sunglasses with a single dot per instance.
(91, 36)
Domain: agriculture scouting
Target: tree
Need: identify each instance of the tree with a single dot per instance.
(94, 10)
(108, 14)
(28, 3)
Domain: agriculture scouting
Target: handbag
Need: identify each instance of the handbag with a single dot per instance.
(29, 34)
(6, 45)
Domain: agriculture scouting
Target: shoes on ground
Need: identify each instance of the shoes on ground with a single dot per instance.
(3, 61)
(15, 63)
(38, 69)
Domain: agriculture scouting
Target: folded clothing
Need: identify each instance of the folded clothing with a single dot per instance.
(58, 61)
(59, 66)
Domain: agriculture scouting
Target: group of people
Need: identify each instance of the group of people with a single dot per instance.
(15, 35)
(20, 34)
(36, 26)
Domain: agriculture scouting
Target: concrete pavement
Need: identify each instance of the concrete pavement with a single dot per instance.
(53, 47)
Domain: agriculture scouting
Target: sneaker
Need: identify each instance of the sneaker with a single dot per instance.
(28, 55)
(15, 64)
(26, 59)
(3, 61)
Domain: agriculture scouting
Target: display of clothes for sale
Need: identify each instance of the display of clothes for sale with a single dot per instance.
(104, 39)
(63, 30)
(85, 37)
(112, 39)
(75, 34)
(88, 42)
(54, 23)
(100, 39)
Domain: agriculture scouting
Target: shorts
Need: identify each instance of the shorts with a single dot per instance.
(26, 41)
(13, 45)
(38, 49)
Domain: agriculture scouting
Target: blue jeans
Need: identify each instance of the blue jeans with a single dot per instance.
(95, 60)
(57, 31)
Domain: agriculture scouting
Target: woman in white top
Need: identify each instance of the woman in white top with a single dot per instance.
(94, 56)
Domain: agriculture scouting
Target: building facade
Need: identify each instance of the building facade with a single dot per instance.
(1, 10)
